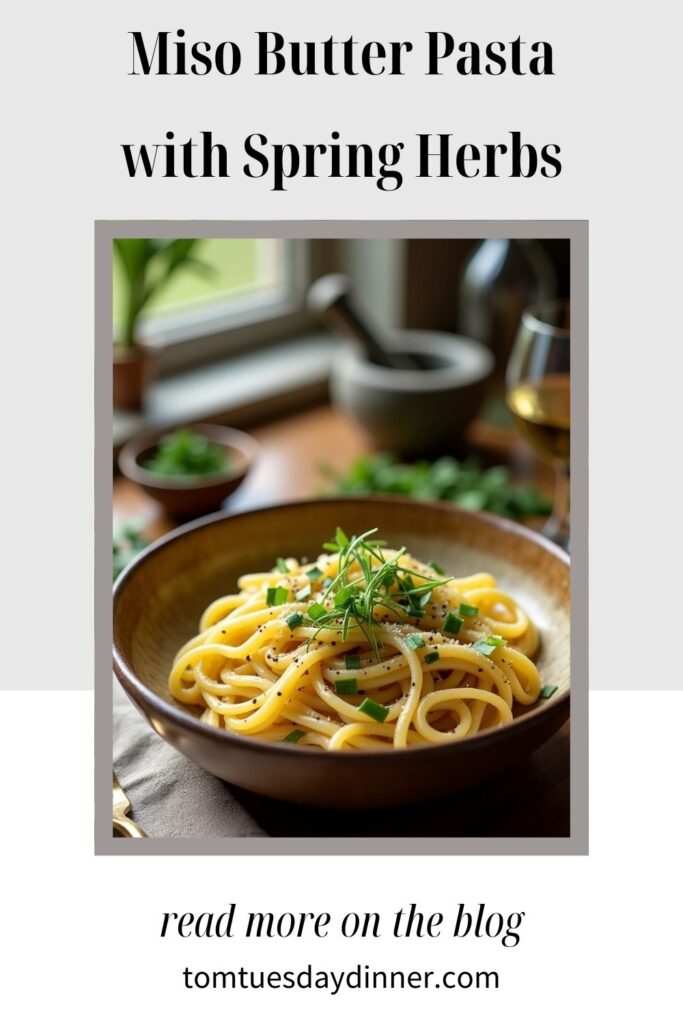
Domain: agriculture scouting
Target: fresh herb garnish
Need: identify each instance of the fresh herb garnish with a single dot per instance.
(415, 640)
(467, 609)
(466, 484)
(276, 595)
(349, 685)
(281, 565)
(314, 573)
(373, 710)
(488, 645)
(343, 596)
(483, 648)
(436, 567)
(294, 620)
(340, 541)
(547, 691)
(186, 453)
(352, 660)
(431, 657)
(368, 582)
(294, 737)
(452, 624)
(304, 593)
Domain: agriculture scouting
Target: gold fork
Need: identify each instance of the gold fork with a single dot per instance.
(121, 822)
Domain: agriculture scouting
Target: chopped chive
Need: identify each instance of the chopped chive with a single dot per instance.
(294, 737)
(276, 595)
(431, 657)
(467, 609)
(314, 572)
(305, 592)
(415, 640)
(352, 660)
(342, 596)
(483, 647)
(349, 685)
(315, 611)
(327, 582)
(547, 691)
(281, 565)
(294, 620)
(373, 710)
(436, 567)
(496, 641)
(329, 545)
(452, 624)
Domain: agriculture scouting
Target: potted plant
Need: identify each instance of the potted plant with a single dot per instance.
(147, 265)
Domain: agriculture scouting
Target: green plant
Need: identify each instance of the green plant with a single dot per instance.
(353, 598)
(148, 264)
(464, 483)
(127, 542)
(185, 453)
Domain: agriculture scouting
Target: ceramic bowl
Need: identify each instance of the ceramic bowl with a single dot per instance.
(413, 412)
(187, 497)
(159, 597)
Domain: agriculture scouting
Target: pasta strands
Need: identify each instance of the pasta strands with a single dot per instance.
(311, 655)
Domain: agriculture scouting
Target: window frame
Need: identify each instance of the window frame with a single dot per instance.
(189, 337)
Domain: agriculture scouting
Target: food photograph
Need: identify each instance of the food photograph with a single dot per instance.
(341, 539)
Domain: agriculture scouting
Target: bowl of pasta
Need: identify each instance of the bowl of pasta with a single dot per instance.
(348, 652)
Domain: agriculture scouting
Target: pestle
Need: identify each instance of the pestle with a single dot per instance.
(329, 298)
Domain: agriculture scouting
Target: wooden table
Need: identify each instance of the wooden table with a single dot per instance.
(533, 800)
(294, 448)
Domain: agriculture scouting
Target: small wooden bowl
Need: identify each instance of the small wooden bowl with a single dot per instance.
(159, 598)
(187, 497)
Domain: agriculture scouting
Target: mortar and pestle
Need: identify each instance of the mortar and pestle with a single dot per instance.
(412, 391)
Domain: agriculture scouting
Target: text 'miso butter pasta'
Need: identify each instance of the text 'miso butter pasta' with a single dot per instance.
(364, 649)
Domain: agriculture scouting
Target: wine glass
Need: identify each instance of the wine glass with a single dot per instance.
(538, 394)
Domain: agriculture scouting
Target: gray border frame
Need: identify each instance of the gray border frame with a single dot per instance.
(577, 232)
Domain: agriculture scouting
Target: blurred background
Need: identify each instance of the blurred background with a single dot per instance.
(229, 333)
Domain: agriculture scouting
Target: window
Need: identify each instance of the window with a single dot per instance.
(250, 292)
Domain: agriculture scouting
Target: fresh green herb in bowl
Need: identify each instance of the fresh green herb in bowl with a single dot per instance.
(190, 471)
(187, 453)
(466, 483)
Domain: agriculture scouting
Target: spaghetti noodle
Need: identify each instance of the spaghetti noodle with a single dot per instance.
(366, 648)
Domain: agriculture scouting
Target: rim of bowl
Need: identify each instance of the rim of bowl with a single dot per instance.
(471, 362)
(180, 717)
(237, 440)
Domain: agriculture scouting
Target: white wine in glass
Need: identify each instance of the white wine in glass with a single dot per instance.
(538, 395)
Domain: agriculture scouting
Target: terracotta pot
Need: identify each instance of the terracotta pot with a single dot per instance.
(134, 370)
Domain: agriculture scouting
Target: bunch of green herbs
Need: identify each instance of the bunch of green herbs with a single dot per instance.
(187, 453)
(352, 600)
(465, 483)
(127, 542)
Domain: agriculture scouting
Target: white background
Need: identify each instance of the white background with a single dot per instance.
(82, 932)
